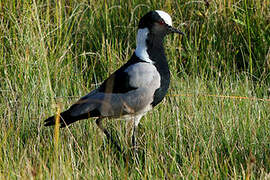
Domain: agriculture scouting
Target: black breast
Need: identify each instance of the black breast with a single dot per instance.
(160, 93)
(157, 55)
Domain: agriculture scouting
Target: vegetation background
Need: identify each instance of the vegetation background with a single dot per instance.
(214, 123)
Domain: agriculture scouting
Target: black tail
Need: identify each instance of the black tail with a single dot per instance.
(66, 118)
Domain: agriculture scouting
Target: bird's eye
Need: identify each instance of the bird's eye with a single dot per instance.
(161, 22)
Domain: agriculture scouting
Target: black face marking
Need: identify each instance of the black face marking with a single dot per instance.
(149, 19)
(156, 24)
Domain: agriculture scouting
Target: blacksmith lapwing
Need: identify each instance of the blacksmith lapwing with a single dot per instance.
(136, 87)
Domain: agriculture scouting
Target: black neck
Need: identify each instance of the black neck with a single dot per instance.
(156, 53)
(155, 47)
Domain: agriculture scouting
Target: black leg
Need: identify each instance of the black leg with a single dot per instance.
(136, 121)
(134, 138)
(108, 135)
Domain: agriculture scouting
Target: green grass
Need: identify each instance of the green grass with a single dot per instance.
(53, 53)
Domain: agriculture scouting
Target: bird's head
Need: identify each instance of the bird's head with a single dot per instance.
(153, 27)
(158, 23)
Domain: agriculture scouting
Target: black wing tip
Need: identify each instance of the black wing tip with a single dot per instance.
(50, 121)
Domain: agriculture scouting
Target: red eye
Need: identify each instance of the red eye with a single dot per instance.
(161, 22)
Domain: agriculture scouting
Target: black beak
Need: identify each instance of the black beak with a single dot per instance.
(174, 30)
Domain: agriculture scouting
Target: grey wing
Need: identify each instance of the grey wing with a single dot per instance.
(143, 76)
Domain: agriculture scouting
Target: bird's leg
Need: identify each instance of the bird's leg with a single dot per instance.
(108, 135)
(134, 139)
(136, 121)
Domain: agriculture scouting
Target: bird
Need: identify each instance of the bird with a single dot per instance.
(136, 87)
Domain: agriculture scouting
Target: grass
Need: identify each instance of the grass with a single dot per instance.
(53, 53)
